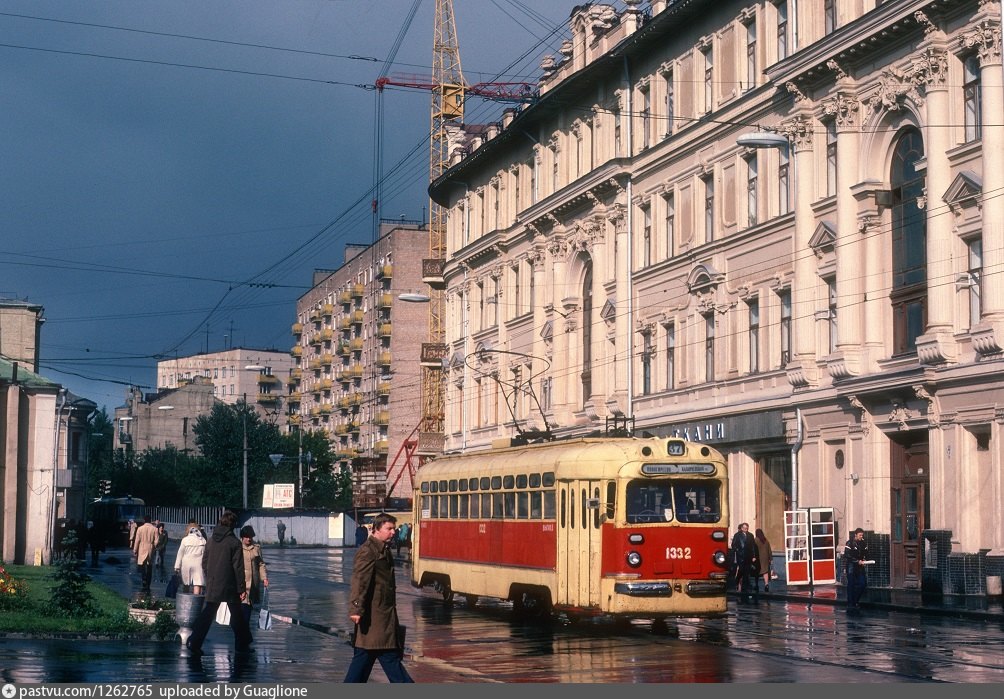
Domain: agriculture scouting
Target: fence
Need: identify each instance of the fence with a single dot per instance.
(303, 527)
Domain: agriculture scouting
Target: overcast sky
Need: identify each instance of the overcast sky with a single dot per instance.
(171, 171)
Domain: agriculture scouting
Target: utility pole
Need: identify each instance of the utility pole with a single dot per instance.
(299, 467)
(244, 423)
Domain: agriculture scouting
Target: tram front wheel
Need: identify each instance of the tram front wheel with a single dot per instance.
(444, 589)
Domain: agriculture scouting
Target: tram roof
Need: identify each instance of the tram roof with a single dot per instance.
(592, 457)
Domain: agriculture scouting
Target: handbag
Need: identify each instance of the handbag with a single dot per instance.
(223, 614)
(172, 586)
(264, 615)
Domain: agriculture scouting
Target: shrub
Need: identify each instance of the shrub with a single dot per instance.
(164, 625)
(13, 592)
(70, 596)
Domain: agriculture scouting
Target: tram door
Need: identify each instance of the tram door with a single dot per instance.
(578, 543)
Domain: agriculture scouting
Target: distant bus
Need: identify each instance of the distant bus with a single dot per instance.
(111, 517)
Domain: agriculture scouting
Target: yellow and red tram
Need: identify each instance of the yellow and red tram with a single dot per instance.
(624, 526)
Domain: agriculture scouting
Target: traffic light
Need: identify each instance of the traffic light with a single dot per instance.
(105, 486)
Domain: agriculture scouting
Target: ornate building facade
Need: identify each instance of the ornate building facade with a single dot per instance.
(772, 226)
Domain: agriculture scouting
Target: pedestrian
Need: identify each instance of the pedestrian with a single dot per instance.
(764, 557)
(362, 533)
(132, 531)
(144, 545)
(403, 538)
(161, 551)
(188, 562)
(280, 529)
(255, 571)
(373, 608)
(744, 562)
(96, 540)
(223, 568)
(855, 560)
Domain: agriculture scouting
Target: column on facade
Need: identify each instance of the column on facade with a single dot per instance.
(622, 324)
(937, 345)
(854, 245)
(803, 296)
(565, 375)
(988, 337)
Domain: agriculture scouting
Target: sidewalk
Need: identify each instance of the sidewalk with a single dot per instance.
(971, 607)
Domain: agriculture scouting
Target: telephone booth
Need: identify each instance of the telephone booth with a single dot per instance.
(810, 546)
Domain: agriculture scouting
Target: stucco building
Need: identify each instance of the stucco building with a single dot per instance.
(356, 375)
(826, 307)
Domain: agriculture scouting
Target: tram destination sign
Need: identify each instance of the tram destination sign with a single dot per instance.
(662, 469)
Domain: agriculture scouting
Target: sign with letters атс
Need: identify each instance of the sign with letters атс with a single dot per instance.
(282, 495)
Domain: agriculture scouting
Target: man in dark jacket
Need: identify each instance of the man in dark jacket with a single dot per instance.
(373, 608)
(856, 558)
(223, 565)
(744, 563)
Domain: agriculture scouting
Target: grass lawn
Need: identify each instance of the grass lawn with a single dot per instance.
(36, 619)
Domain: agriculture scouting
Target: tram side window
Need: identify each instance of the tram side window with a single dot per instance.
(611, 499)
(444, 506)
(486, 506)
(433, 506)
(454, 506)
(522, 505)
(697, 501)
(549, 504)
(463, 506)
(510, 505)
(536, 497)
(496, 505)
(648, 501)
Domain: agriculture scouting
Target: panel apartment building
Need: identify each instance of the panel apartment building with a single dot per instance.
(356, 373)
(773, 226)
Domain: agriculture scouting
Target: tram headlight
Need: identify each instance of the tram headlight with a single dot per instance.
(634, 559)
(719, 558)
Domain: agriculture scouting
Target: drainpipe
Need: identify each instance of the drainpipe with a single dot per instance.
(795, 448)
(50, 534)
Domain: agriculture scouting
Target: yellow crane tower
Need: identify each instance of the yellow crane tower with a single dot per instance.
(447, 108)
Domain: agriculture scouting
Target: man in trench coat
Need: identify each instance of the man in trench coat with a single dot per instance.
(143, 546)
(373, 608)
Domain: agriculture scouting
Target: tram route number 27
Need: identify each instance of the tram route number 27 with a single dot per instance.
(677, 552)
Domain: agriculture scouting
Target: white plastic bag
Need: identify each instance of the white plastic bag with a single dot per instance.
(223, 614)
(264, 615)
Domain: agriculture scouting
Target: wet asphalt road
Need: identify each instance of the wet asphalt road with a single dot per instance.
(775, 641)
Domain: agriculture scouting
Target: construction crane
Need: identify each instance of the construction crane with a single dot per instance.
(449, 92)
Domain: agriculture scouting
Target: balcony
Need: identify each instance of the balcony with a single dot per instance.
(327, 358)
(386, 300)
(384, 329)
(357, 316)
(295, 396)
(268, 398)
(344, 297)
(327, 309)
(383, 359)
(315, 363)
(326, 384)
(315, 340)
(356, 344)
(296, 374)
(326, 335)
(382, 417)
(292, 380)
(345, 453)
(315, 411)
(325, 409)
(381, 447)
(345, 323)
(383, 388)
(344, 403)
(297, 329)
(315, 315)
(387, 271)
(358, 290)
(296, 351)
(268, 380)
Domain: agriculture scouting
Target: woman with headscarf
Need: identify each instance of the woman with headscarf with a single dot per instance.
(188, 563)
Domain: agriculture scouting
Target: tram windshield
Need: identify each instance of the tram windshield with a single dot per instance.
(662, 501)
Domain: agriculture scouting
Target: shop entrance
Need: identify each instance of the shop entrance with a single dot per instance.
(910, 507)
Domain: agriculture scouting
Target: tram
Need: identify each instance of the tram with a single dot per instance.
(111, 516)
(624, 526)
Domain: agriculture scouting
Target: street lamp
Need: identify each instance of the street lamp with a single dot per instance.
(763, 139)
(414, 297)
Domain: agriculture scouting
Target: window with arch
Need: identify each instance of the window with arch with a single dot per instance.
(909, 243)
(587, 331)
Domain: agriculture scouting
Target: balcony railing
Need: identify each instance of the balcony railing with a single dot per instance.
(382, 417)
(297, 328)
(327, 309)
(344, 297)
(358, 290)
(357, 316)
(387, 271)
(383, 388)
(386, 300)
(296, 351)
(356, 344)
(385, 329)
(381, 447)
(383, 359)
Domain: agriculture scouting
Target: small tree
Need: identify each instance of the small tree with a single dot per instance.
(70, 596)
